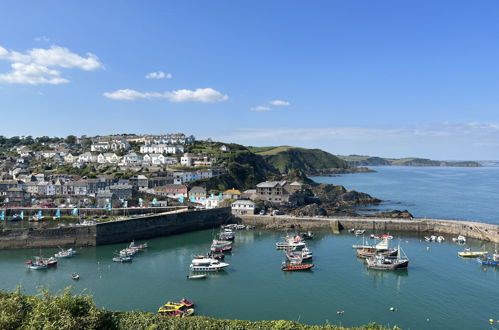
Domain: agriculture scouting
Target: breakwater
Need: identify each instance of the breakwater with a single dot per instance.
(144, 227)
(470, 229)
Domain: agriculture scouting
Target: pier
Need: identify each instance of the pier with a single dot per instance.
(470, 229)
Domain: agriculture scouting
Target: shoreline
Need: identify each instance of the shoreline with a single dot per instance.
(470, 229)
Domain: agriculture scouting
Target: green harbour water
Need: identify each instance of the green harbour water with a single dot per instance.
(438, 291)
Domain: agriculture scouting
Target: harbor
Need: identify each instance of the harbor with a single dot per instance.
(438, 290)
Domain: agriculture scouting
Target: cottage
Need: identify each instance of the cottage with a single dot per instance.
(231, 194)
(197, 194)
(212, 202)
(172, 190)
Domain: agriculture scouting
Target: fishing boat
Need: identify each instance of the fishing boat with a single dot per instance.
(123, 259)
(381, 262)
(296, 266)
(207, 265)
(249, 227)
(75, 276)
(69, 253)
(291, 242)
(38, 264)
(467, 253)
(138, 247)
(196, 277)
(187, 302)
(128, 252)
(50, 261)
(494, 261)
(226, 235)
(382, 248)
(304, 254)
(240, 227)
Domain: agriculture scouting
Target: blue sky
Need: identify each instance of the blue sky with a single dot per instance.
(389, 78)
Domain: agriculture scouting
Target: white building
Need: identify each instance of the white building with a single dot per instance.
(243, 207)
(87, 157)
(187, 160)
(212, 202)
(161, 149)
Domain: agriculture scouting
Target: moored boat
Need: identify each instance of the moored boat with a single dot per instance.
(381, 262)
(75, 276)
(307, 235)
(471, 254)
(187, 302)
(359, 232)
(123, 259)
(494, 261)
(382, 248)
(38, 264)
(296, 266)
(65, 253)
(196, 277)
(291, 243)
(50, 261)
(207, 265)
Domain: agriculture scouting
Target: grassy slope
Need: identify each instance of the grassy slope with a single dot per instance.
(65, 311)
(286, 158)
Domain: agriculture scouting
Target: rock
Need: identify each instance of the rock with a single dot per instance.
(311, 210)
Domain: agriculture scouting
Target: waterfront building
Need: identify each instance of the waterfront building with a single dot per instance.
(17, 197)
(172, 190)
(241, 207)
(212, 202)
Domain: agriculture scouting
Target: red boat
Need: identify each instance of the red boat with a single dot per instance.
(291, 267)
(187, 302)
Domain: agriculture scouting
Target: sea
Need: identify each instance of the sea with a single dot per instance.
(461, 193)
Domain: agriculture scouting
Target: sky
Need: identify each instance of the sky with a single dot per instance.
(387, 77)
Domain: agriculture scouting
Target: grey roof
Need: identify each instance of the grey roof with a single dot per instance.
(244, 202)
(267, 184)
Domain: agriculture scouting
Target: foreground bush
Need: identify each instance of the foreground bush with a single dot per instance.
(67, 311)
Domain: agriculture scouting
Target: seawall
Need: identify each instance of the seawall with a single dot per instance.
(470, 229)
(162, 224)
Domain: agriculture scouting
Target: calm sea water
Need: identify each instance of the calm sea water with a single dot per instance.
(438, 291)
(438, 192)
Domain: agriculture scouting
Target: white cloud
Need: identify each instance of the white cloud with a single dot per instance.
(208, 95)
(279, 103)
(159, 75)
(261, 108)
(43, 38)
(36, 66)
(266, 107)
(205, 95)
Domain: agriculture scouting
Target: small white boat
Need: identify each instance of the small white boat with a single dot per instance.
(75, 276)
(460, 239)
(440, 239)
(196, 277)
(359, 232)
(69, 253)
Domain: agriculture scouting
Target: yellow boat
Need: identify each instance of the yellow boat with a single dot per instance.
(472, 254)
(171, 306)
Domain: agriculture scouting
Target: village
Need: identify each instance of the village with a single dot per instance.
(122, 171)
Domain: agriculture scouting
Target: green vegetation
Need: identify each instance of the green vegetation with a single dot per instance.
(310, 161)
(358, 160)
(74, 312)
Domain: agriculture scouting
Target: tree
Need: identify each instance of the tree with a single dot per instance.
(70, 139)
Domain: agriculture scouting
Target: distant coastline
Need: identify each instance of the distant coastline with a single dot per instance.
(360, 160)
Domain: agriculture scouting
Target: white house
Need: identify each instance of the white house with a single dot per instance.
(100, 146)
(69, 158)
(186, 160)
(131, 158)
(212, 202)
(87, 157)
(108, 157)
(243, 207)
(154, 159)
(161, 149)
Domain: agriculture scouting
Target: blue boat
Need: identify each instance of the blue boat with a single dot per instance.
(494, 261)
(123, 259)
